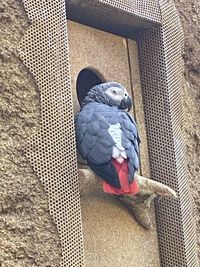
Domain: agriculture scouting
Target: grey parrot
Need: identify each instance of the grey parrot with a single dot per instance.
(107, 137)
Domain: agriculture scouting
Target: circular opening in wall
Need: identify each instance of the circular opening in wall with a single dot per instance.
(87, 78)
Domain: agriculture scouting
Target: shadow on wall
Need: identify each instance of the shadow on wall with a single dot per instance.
(87, 78)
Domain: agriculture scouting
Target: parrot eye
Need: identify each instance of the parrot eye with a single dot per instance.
(114, 92)
(125, 94)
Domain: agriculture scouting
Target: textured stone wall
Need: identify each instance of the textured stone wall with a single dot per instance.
(190, 17)
(28, 237)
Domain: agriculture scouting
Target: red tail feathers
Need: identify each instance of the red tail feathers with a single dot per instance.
(126, 188)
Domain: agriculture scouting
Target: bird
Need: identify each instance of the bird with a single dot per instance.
(107, 137)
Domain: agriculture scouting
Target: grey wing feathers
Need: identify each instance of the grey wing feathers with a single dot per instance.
(93, 139)
(130, 141)
(95, 144)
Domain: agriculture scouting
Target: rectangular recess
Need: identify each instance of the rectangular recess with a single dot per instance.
(91, 47)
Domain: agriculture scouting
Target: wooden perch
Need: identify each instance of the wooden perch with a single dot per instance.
(138, 204)
(148, 186)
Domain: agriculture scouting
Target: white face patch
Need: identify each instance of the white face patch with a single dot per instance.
(116, 94)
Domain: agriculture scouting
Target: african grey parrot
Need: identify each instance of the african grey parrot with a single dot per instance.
(107, 137)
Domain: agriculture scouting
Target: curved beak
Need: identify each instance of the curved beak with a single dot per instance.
(126, 103)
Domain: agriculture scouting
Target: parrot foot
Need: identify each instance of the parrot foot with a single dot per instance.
(149, 187)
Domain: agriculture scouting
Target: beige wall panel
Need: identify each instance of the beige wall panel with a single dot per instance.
(138, 108)
(112, 237)
(107, 53)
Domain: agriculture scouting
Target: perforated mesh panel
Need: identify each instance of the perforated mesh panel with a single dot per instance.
(161, 68)
(52, 151)
(142, 8)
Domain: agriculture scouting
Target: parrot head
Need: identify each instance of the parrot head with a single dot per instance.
(109, 93)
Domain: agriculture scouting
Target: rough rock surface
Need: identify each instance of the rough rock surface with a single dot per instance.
(28, 236)
(190, 17)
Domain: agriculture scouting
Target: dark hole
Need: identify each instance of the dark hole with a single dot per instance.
(87, 78)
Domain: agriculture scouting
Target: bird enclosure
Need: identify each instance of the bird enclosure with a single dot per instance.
(111, 58)
(136, 43)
